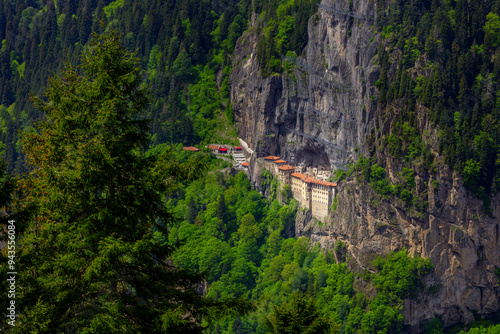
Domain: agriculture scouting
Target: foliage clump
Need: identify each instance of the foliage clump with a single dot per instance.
(285, 33)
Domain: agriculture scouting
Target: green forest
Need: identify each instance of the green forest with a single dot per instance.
(182, 45)
(120, 230)
(186, 49)
(457, 44)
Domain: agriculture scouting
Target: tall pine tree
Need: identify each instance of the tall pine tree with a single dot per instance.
(95, 253)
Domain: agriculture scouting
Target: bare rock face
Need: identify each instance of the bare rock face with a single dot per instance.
(320, 114)
(460, 241)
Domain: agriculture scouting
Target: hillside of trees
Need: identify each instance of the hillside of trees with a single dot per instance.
(114, 238)
(240, 239)
(446, 56)
(88, 226)
(185, 49)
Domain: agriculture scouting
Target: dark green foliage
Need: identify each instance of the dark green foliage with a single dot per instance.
(183, 68)
(483, 330)
(221, 210)
(460, 41)
(285, 33)
(400, 276)
(299, 315)
(492, 30)
(286, 194)
(379, 181)
(334, 204)
(376, 176)
(471, 173)
(95, 255)
(183, 45)
(435, 326)
(340, 175)
(404, 188)
(7, 186)
(191, 215)
(256, 259)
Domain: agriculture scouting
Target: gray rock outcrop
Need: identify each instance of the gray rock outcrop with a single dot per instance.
(318, 114)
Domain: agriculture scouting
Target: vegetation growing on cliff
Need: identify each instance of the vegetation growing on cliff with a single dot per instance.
(403, 188)
(283, 32)
(240, 240)
(185, 48)
(484, 329)
(448, 62)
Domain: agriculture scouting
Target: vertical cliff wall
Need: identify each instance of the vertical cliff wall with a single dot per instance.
(318, 114)
(321, 114)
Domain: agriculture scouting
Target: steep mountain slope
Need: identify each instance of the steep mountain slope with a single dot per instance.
(326, 111)
(319, 111)
(459, 240)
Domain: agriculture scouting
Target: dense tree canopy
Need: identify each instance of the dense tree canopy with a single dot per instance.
(94, 254)
(299, 315)
(457, 43)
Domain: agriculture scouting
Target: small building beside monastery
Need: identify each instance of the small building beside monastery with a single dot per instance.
(190, 148)
(269, 163)
(277, 165)
(221, 149)
(285, 171)
(214, 148)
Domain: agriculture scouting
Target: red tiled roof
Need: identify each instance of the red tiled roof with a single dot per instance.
(271, 157)
(190, 148)
(286, 167)
(280, 161)
(316, 181)
(246, 164)
(299, 176)
(309, 179)
(213, 147)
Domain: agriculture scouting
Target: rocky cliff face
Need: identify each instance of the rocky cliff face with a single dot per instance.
(460, 241)
(320, 114)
